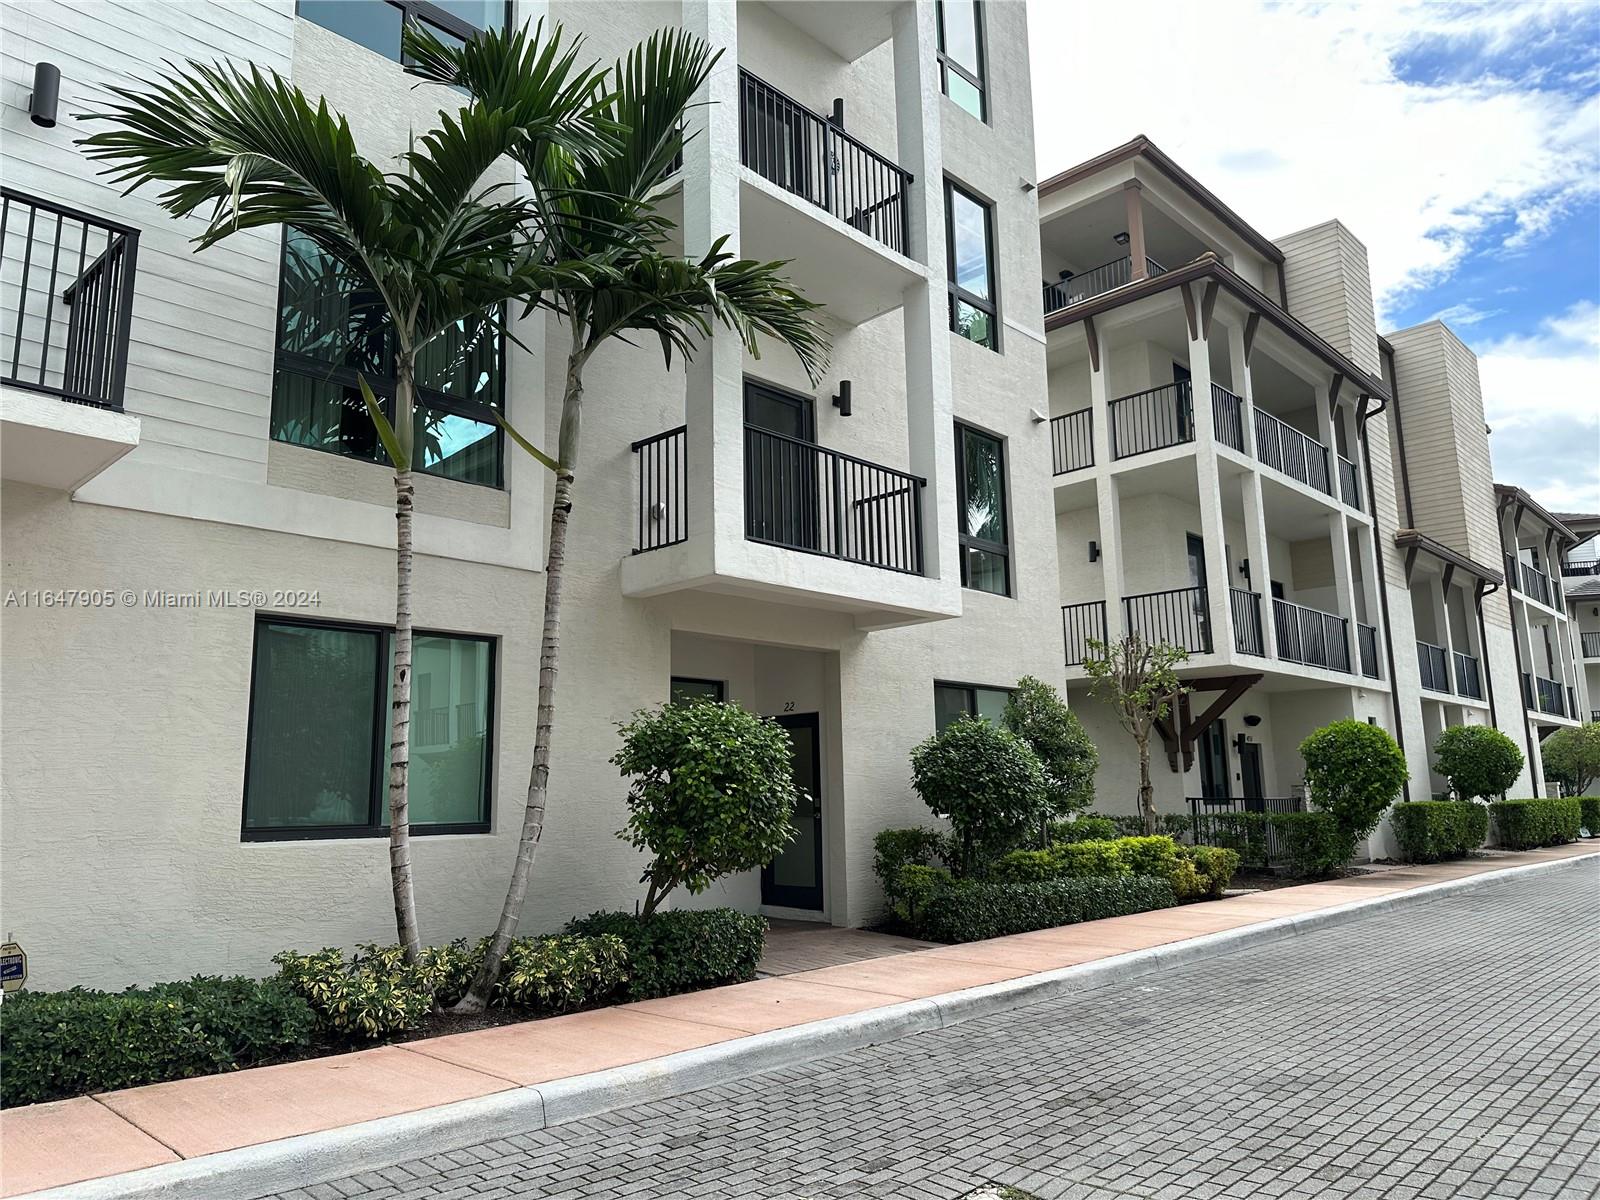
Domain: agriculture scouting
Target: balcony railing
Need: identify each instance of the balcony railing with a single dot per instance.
(806, 154)
(1152, 420)
(1367, 644)
(1591, 645)
(1081, 624)
(804, 497)
(1349, 483)
(1104, 278)
(1433, 667)
(1311, 637)
(1469, 680)
(1072, 441)
(1548, 695)
(1246, 611)
(1284, 448)
(663, 507)
(66, 318)
(1531, 581)
(1217, 821)
(1581, 568)
(1176, 618)
(1227, 417)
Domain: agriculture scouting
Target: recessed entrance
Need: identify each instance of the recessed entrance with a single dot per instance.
(794, 878)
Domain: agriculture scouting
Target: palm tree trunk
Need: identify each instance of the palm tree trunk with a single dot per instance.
(477, 997)
(405, 901)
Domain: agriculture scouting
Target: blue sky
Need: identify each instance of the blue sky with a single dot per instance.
(1460, 143)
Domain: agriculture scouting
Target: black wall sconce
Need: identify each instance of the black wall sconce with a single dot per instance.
(1094, 551)
(1252, 720)
(46, 94)
(842, 400)
(1121, 239)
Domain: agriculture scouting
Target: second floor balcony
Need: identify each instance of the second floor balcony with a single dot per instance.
(1075, 288)
(1532, 582)
(1311, 637)
(1549, 696)
(1434, 668)
(1590, 644)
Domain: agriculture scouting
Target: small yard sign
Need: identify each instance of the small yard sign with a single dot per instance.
(13, 967)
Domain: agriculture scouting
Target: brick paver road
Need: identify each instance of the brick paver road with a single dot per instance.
(1450, 1049)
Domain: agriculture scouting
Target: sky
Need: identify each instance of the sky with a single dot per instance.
(1460, 143)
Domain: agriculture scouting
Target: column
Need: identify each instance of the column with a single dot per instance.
(1133, 199)
(1255, 540)
(1345, 585)
(1209, 486)
(1371, 581)
(1108, 495)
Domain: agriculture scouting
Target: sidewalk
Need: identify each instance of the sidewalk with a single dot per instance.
(68, 1141)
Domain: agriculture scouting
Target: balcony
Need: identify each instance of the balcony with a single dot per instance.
(1072, 441)
(67, 307)
(1151, 420)
(1547, 696)
(1311, 637)
(1349, 483)
(1367, 644)
(1469, 679)
(1227, 417)
(1245, 609)
(1080, 625)
(1174, 618)
(1590, 642)
(1105, 278)
(1532, 582)
(1288, 451)
(1432, 667)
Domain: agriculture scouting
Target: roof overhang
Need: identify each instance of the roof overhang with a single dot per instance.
(1511, 492)
(1416, 540)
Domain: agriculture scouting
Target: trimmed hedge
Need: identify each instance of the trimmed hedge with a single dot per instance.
(1310, 843)
(1528, 824)
(1084, 829)
(681, 950)
(58, 1044)
(971, 910)
(1430, 830)
(1589, 813)
(1214, 867)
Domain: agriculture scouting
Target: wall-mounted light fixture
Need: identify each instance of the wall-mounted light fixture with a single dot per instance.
(46, 94)
(1252, 720)
(1121, 239)
(1094, 551)
(842, 400)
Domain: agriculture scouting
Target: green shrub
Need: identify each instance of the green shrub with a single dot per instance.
(1173, 825)
(987, 782)
(1083, 860)
(893, 850)
(1528, 824)
(1573, 757)
(915, 885)
(1214, 868)
(1310, 844)
(1245, 833)
(1149, 855)
(1353, 771)
(1036, 713)
(1025, 866)
(371, 995)
(1478, 760)
(559, 974)
(1430, 830)
(1085, 829)
(58, 1044)
(970, 910)
(1589, 814)
(681, 950)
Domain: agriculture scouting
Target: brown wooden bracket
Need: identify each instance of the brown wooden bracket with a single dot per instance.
(1189, 313)
(1411, 561)
(1449, 573)
(1250, 323)
(1333, 393)
(1169, 739)
(1208, 306)
(1185, 739)
(1094, 344)
(1231, 687)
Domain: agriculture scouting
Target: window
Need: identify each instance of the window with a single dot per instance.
(969, 253)
(951, 701)
(981, 505)
(316, 763)
(961, 54)
(376, 24)
(331, 330)
(685, 689)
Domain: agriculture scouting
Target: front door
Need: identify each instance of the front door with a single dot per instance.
(780, 468)
(1214, 762)
(794, 878)
(1250, 770)
(1198, 604)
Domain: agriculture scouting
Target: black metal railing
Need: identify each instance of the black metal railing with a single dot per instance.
(1469, 679)
(1310, 636)
(663, 498)
(66, 319)
(1581, 568)
(1591, 644)
(1227, 417)
(1072, 441)
(805, 497)
(1433, 668)
(1177, 618)
(1152, 419)
(1367, 645)
(1081, 624)
(1550, 695)
(807, 154)
(1242, 824)
(1349, 483)
(1106, 277)
(1246, 610)
(1284, 448)
(1528, 579)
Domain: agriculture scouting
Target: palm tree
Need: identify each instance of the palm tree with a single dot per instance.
(433, 243)
(601, 210)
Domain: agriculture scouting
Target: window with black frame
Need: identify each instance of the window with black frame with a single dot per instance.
(332, 331)
(961, 55)
(969, 254)
(981, 507)
(317, 755)
(952, 701)
(377, 24)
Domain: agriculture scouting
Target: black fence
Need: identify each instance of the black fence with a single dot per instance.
(1284, 448)
(663, 502)
(67, 317)
(1349, 483)
(1242, 824)
(1152, 419)
(1246, 610)
(1072, 441)
(1367, 644)
(1432, 668)
(1227, 417)
(1178, 618)
(1106, 277)
(1311, 637)
(1081, 624)
(1469, 680)
(812, 157)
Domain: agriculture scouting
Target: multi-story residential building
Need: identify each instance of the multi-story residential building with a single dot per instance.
(192, 786)
(1580, 586)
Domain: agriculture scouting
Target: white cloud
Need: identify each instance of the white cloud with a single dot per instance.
(1294, 114)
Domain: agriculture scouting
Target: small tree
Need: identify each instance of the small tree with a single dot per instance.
(1478, 760)
(1037, 714)
(1573, 757)
(1353, 771)
(713, 792)
(986, 781)
(1139, 680)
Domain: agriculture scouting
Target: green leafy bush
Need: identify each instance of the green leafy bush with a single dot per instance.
(1573, 757)
(1026, 866)
(58, 1044)
(1589, 814)
(1245, 833)
(712, 793)
(372, 994)
(1083, 860)
(1311, 844)
(986, 781)
(1430, 830)
(1353, 771)
(915, 884)
(1036, 713)
(1528, 824)
(1478, 760)
(1172, 825)
(559, 974)
(681, 950)
(895, 850)
(969, 910)
(1086, 829)
(1214, 868)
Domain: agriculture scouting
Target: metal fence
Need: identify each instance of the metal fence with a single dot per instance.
(663, 502)
(1152, 419)
(1284, 448)
(1227, 417)
(1081, 624)
(1310, 636)
(1072, 441)
(1107, 276)
(1246, 610)
(1178, 618)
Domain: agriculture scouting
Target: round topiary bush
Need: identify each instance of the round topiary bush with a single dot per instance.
(1039, 716)
(1353, 771)
(1478, 760)
(986, 781)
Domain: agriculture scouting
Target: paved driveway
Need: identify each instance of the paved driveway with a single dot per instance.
(1450, 1049)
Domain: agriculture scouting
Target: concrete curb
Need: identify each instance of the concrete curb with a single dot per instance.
(297, 1162)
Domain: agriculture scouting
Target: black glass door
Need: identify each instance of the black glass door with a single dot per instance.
(1250, 772)
(1214, 762)
(781, 468)
(1197, 581)
(794, 878)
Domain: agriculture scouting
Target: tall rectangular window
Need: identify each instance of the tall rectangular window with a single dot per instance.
(376, 24)
(317, 757)
(332, 331)
(961, 54)
(969, 258)
(981, 507)
(952, 701)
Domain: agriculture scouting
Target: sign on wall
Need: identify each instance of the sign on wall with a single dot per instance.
(13, 967)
